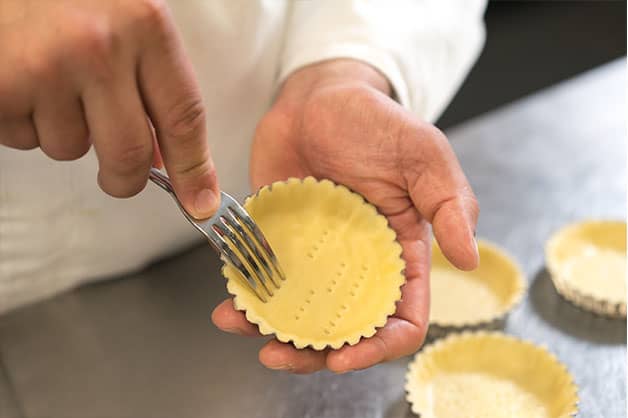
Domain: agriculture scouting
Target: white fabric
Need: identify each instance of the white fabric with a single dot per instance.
(57, 229)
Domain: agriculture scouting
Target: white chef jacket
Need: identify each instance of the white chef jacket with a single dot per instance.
(58, 229)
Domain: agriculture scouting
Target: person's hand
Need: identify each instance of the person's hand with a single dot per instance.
(82, 72)
(334, 120)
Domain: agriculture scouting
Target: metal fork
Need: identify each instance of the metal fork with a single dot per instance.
(236, 237)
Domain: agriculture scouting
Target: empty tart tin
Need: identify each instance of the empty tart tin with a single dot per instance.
(587, 263)
(341, 260)
(489, 374)
(469, 300)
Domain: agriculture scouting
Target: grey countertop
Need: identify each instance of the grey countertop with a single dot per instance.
(143, 345)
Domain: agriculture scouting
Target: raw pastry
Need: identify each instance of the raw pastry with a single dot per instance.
(587, 262)
(469, 298)
(486, 374)
(342, 263)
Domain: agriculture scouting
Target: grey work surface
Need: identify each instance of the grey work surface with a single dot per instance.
(143, 346)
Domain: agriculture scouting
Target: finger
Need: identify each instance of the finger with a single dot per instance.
(173, 100)
(441, 193)
(228, 319)
(61, 126)
(18, 133)
(405, 332)
(396, 339)
(279, 356)
(414, 305)
(120, 134)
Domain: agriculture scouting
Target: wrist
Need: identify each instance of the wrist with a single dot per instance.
(342, 72)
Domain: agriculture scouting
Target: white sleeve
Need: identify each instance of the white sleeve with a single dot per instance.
(424, 47)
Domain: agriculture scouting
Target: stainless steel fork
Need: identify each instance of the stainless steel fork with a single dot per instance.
(236, 237)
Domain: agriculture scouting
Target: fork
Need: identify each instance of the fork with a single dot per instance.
(236, 237)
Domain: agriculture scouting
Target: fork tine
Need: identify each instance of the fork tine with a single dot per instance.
(223, 224)
(222, 228)
(244, 218)
(229, 219)
(221, 245)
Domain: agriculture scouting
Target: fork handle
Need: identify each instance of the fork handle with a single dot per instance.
(161, 180)
(164, 182)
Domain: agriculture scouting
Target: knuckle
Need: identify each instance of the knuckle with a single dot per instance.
(153, 13)
(472, 204)
(186, 122)
(63, 151)
(194, 169)
(130, 160)
(423, 144)
(42, 67)
(95, 46)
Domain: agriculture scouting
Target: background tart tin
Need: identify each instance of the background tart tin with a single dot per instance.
(489, 374)
(471, 300)
(342, 263)
(587, 263)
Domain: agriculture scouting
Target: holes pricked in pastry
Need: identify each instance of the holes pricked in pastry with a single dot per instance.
(297, 317)
(338, 233)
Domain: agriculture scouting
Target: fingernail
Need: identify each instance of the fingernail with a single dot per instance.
(477, 250)
(205, 204)
(281, 367)
(233, 330)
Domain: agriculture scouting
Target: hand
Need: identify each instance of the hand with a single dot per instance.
(81, 71)
(334, 120)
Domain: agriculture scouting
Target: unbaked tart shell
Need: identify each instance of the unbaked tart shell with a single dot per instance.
(342, 263)
(489, 374)
(587, 263)
(476, 299)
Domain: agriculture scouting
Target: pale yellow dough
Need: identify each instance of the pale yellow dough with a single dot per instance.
(590, 259)
(461, 298)
(342, 263)
(489, 375)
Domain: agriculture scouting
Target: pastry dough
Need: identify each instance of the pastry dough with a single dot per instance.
(342, 263)
(489, 375)
(587, 261)
(468, 298)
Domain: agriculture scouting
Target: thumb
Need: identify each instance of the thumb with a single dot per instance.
(440, 192)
